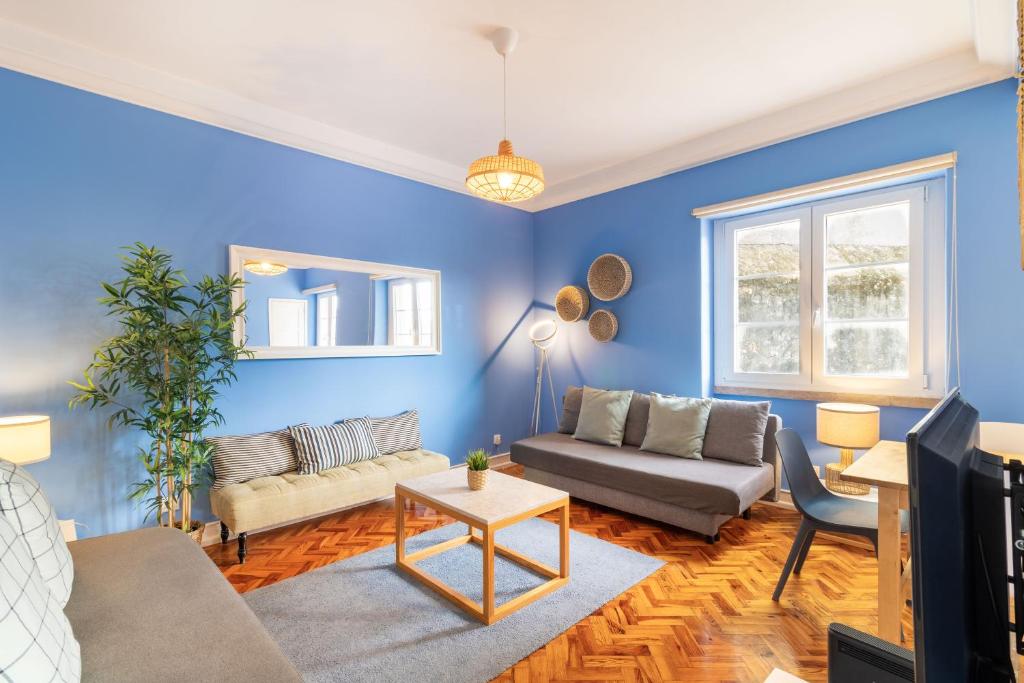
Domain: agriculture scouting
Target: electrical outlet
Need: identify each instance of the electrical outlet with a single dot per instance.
(497, 439)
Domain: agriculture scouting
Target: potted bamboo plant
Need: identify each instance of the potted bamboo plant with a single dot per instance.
(162, 372)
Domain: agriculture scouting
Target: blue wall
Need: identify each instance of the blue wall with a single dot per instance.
(82, 175)
(661, 319)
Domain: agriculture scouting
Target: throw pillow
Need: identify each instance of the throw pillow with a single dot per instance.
(636, 419)
(603, 416)
(26, 508)
(571, 403)
(343, 443)
(676, 426)
(36, 641)
(238, 459)
(736, 431)
(397, 433)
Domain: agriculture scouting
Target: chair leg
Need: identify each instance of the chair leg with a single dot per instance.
(794, 553)
(223, 533)
(712, 539)
(242, 537)
(803, 552)
(746, 514)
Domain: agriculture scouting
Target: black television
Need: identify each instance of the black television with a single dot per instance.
(959, 550)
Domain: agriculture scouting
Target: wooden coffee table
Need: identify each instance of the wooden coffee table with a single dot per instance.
(505, 501)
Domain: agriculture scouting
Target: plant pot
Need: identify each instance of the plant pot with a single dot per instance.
(477, 479)
(195, 532)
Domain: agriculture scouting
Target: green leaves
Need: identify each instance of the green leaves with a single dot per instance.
(477, 460)
(161, 373)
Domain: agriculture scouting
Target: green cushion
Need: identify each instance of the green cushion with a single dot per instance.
(676, 426)
(603, 416)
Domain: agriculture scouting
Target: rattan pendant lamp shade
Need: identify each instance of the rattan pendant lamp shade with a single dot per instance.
(505, 177)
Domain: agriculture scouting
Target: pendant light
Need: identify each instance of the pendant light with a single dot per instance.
(268, 268)
(505, 177)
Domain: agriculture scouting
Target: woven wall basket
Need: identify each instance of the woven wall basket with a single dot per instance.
(609, 277)
(603, 325)
(572, 303)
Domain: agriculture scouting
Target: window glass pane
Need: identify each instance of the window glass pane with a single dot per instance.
(867, 349)
(768, 249)
(878, 296)
(768, 299)
(879, 234)
(874, 292)
(767, 290)
(768, 348)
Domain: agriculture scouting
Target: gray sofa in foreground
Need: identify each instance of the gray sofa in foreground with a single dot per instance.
(149, 605)
(698, 495)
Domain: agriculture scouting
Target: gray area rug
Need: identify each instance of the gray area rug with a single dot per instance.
(362, 619)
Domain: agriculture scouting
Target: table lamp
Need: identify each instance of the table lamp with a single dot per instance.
(846, 426)
(25, 439)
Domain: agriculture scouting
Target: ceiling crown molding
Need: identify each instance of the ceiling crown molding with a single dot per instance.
(992, 58)
(954, 73)
(39, 54)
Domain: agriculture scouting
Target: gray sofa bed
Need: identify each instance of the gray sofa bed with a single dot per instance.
(698, 495)
(149, 605)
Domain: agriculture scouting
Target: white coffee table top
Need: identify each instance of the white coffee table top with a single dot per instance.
(503, 497)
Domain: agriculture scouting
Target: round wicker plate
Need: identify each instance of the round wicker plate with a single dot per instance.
(572, 303)
(609, 277)
(603, 325)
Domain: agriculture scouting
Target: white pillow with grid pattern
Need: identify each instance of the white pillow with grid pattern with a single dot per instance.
(24, 505)
(36, 640)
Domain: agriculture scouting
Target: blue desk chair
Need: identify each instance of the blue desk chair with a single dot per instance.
(821, 509)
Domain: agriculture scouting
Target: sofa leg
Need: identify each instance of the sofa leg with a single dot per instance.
(223, 533)
(241, 547)
(746, 514)
(712, 539)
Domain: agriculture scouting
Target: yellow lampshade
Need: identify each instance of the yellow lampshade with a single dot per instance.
(505, 177)
(25, 439)
(848, 425)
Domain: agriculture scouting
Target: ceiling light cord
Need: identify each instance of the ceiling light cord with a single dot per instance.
(504, 94)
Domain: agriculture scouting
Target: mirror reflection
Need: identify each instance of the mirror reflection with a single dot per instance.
(357, 304)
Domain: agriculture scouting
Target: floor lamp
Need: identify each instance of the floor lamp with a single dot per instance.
(542, 335)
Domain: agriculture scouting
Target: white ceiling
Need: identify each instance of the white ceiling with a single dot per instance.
(603, 93)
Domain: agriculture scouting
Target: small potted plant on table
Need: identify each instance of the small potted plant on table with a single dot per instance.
(476, 469)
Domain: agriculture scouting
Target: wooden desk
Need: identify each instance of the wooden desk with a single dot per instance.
(885, 466)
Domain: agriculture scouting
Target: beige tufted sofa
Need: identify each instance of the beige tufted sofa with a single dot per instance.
(270, 501)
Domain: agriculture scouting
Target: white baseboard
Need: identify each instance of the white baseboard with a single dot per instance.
(211, 532)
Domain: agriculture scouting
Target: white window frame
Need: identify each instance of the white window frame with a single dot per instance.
(927, 369)
(416, 306)
(332, 317)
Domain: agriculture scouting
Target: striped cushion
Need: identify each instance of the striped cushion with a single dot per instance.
(238, 459)
(397, 433)
(321, 448)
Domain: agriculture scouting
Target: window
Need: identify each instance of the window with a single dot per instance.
(327, 318)
(411, 312)
(840, 294)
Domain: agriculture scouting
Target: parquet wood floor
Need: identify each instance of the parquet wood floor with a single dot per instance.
(706, 616)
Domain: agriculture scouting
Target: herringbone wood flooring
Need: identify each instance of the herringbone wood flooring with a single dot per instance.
(706, 616)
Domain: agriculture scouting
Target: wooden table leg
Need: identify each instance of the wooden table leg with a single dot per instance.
(399, 527)
(488, 548)
(563, 541)
(889, 603)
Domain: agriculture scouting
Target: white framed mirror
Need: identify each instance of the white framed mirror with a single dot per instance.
(310, 306)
